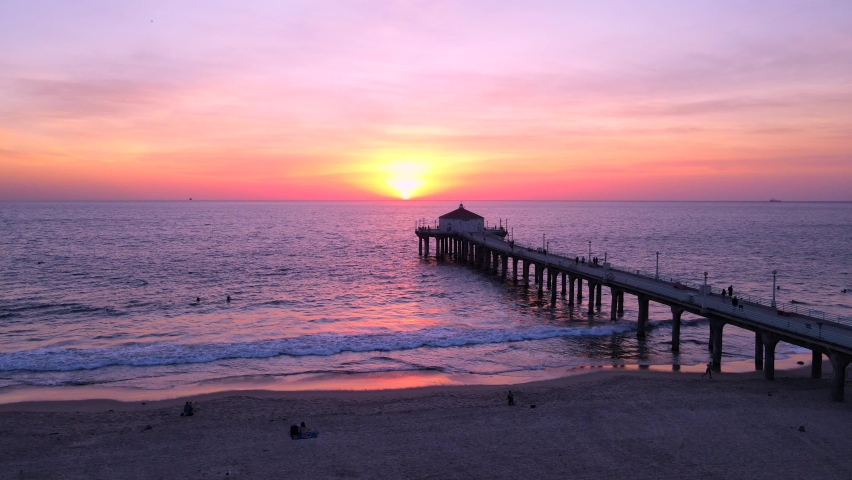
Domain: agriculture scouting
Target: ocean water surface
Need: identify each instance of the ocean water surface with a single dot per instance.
(103, 294)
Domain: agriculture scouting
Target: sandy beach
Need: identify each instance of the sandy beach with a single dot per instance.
(606, 424)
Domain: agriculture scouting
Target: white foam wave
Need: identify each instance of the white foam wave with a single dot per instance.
(165, 353)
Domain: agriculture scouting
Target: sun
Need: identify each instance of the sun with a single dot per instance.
(406, 179)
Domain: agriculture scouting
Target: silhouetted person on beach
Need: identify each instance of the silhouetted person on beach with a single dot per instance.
(511, 398)
(187, 410)
(730, 290)
(708, 371)
(303, 429)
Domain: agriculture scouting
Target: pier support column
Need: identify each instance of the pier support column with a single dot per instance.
(676, 314)
(816, 364)
(591, 296)
(758, 351)
(420, 245)
(554, 279)
(642, 319)
(505, 266)
(426, 242)
(838, 363)
(526, 274)
(620, 303)
(515, 270)
(769, 342)
(579, 289)
(539, 273)
(496, 262)
(716, 328)
(614, 304)
(564, 281)
(598, 294)
(571, 280)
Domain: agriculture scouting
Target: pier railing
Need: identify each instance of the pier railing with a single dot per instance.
(803, 327)
(785, 307)
(780, 307)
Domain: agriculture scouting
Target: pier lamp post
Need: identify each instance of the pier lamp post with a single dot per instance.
(774, 273)
(657, 276)
(704, 297)
(590, 250)
(547, 248)
(543, 245)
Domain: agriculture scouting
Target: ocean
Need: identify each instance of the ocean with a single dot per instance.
(102, 295)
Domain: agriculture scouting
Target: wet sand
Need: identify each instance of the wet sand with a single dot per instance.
(618, 424)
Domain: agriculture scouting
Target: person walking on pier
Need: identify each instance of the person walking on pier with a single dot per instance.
(708, 371)
(730, 290)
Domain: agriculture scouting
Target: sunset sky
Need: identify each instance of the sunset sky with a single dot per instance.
(469, 100)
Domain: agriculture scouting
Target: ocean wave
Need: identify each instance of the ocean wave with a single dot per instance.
(152, 354)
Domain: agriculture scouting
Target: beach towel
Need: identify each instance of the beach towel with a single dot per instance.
(305, 436)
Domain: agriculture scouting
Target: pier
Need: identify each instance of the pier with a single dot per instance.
(462, 236)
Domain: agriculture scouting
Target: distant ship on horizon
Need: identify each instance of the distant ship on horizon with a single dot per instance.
(774, 200)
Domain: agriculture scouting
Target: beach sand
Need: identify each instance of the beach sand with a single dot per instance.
(606, 424)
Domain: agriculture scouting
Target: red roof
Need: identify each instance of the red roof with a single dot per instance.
(461, 214)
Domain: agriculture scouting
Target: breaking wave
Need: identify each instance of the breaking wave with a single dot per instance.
(326, 344)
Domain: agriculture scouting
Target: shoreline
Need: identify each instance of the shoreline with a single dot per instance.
(401, 384)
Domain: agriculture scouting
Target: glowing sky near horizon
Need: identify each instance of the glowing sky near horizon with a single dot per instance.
(426, 99)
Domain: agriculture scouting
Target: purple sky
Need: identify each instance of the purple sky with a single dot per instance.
(351, 99)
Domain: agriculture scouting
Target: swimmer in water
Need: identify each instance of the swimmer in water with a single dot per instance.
(228, 299)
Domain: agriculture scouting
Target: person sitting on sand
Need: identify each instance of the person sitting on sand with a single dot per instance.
(187, 410)
(303, 429)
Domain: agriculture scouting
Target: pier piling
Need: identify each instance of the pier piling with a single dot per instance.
(816, 364)
(758, 351)
(838, 363)
(676, 314)
(769, 342)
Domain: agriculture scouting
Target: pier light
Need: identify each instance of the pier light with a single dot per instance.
(543, 245)
(774, 273)
(657, 276)
(590, 250)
